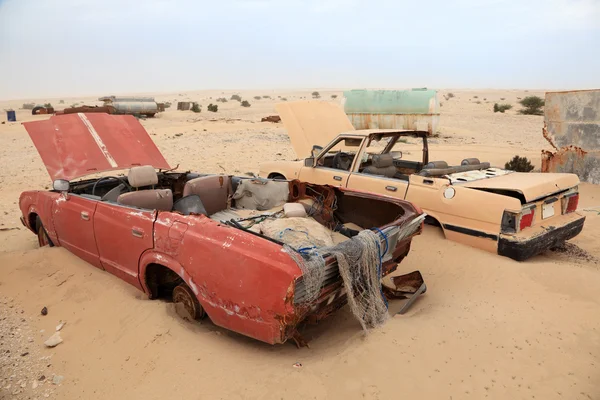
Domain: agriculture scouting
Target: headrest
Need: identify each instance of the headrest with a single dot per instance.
(383, 160)
(470, 161)
(142, 176)
(436, 165)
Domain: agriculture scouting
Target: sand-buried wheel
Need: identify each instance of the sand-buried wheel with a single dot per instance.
(42, 235)
(183, 296)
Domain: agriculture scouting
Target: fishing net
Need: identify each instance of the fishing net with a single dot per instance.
(359, 264)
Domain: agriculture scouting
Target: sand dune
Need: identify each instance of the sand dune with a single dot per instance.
(488, 327)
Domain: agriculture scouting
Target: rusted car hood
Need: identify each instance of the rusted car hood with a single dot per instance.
(311, 123)
(80, 144)
(531, 185)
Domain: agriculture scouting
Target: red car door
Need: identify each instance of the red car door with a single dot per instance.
(73, 217)
(123, 234)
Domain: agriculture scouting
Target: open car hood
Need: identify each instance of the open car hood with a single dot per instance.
(74, 145)
(312, 123)
(532, 185)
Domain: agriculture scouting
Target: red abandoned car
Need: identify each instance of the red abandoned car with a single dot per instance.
(239, 250)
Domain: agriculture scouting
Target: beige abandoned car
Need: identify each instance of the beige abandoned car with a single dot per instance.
(514, 214)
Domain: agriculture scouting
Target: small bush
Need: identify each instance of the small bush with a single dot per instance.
(475, 97)
(532, 105)
(257, 97)
(519, 164)
(484, 99)
(502, 98)
(61, 102)
(222, 99)
(245, 103)
(47, 105)
(167, 104)
(284, 99)
(316, 95)
(28, 106)
(501, 107)
(212, 107)
(334, 96)
(449, 95)
(73, 105)
(478, 102)
(266, 97)
(196, 107)
(236, 97)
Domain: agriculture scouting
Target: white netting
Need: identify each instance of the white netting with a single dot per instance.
(358, 261)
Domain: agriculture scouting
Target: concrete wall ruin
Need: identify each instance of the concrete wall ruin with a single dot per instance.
(572, 127)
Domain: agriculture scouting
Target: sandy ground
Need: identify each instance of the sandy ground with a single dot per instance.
(488, 327)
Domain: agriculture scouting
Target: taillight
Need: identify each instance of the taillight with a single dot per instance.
(515, 222)
(526, 218)
(569, 203)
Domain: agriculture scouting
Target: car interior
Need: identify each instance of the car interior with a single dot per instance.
(238, 201)
(382, 158)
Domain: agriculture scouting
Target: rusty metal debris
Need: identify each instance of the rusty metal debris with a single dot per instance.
(271, 118)
(42, 110)
(87, 109)
(409, 286)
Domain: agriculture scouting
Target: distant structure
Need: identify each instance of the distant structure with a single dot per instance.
(131, 105)
(184, 105)
(572, 127)
(417, 109)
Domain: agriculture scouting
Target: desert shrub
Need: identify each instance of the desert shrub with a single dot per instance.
(257, 97)
(236, 97)
(532, 105)
(334, 96)
(484, 99)
(450, 95)
(28, 106)
(266, 97)
(167, 104)
(501, 107)
(519, 164)
(475, 97)
(222, 99)
(212, 107)
(441, 104)
(478, 102)
(502, 98)
(196, 107)
(47, 105)
(284, 99)
(61, 102)
(316, 95)
(245, 103)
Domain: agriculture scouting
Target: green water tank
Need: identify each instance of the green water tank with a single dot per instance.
(415, 101)
(416, 109)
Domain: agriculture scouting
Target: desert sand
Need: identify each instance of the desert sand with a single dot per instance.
(488, 327)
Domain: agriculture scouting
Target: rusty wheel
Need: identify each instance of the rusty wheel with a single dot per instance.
(43, 239)
(183, 295)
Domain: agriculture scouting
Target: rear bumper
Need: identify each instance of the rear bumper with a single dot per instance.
(520, 249)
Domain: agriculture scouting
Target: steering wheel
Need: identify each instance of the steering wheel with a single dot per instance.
(342, 160)
(120, 179)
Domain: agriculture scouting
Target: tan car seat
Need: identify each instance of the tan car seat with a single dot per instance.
(382, 164)
(214, 191)
(152, 199)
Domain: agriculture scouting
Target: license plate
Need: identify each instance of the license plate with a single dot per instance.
(547, 210)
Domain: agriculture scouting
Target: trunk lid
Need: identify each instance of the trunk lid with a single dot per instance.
(532, 186)
(312, 123)
(75, 145)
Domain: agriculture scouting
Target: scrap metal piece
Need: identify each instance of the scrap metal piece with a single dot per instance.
(409, 286)
(422, 289)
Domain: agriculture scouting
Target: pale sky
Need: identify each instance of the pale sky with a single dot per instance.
(52, 48)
